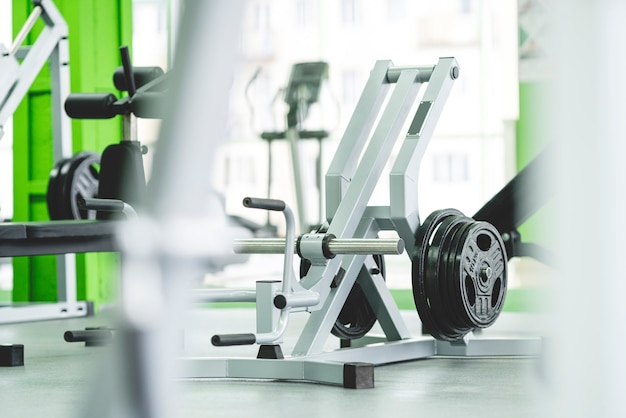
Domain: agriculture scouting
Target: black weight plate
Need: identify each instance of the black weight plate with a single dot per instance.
(438, 278)
(424, 236)
(55, 189)
(459, 274)
(449, 277)
(84, 184)
(481, 250)
(67, 175)
(468, 299)
(70, 179)
(357, 316)
(64, 198)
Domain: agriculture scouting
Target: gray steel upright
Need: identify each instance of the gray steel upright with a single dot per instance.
(342, 255)
(351, 181)
(16, 77)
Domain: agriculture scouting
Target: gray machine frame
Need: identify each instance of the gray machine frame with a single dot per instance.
(19, 66)
(386, 104)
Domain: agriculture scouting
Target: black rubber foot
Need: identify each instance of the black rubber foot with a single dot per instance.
(11, 355)
(358, 375)
(273, 352)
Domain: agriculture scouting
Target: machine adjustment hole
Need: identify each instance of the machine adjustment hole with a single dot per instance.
(470, 290)
(483, 241)
(495, 294)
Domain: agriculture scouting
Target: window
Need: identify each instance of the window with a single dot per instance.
(350, 87)
(450, 167)
(349, 12)
(304, 12)
(396, 10)
(262, 26)
(261, 17)
(466, 6)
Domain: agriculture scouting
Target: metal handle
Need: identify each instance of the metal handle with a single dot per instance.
(224, 340)
(107, 205)
(223, 295)
(393, 73)
(28, 26)
(267, 204)
(128, 71)
(336, 246)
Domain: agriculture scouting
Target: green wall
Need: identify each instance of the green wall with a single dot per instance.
(531, 139)
(96, 30)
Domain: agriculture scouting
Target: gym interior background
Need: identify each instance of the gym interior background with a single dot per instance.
(491, 127)
(475, 150)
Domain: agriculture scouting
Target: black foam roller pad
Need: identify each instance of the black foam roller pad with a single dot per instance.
(148, 104)
(142, 76)
(90, 105)
(11, 355)
(233, 339)
(267, 204)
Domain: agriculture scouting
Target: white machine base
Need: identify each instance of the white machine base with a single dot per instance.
(352, 367)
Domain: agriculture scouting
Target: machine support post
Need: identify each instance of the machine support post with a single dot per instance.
(403, 178)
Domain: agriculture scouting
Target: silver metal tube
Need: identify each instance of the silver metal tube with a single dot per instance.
(271, 337)
(259, 246)
(129, 211)
(30, 22)
(366, 246)
(336, 246)
(425, 72)
(223, 295)
(297, 299)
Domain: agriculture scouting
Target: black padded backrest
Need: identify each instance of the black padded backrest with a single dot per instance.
(121, 176)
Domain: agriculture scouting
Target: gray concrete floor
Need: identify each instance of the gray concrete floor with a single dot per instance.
(53, 381)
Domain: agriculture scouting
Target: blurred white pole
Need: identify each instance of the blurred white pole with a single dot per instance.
(204, 61)
(589, 123)
(172, 243)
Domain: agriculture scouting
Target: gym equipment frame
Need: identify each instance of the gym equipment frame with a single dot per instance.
(15, 79)
(342, 255)
(303, 90)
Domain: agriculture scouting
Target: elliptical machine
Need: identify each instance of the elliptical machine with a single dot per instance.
(303, 90)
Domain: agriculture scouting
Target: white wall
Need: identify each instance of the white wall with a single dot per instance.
(475, 129)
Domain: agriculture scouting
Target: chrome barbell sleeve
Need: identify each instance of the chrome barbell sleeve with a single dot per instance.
(356, 246)
(366, 246)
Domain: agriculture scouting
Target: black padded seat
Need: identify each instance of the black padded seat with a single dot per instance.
(57, 237)
(10, 230)
(70, 229)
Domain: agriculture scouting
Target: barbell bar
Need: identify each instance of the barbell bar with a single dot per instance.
(336, 246)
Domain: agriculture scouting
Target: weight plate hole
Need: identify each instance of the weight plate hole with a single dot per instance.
(483, 241)
(470, 290)
(495, 294)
